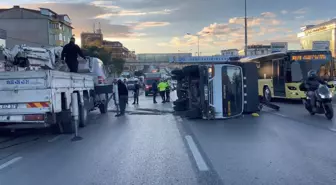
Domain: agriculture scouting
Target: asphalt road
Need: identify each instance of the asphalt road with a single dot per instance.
(151, 145)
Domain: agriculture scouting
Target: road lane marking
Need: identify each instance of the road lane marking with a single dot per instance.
(55, 138)
(10, 162)
(282, 115)
(201, 164)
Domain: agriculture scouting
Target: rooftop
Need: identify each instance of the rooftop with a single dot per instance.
(60, 17)
(332, 21)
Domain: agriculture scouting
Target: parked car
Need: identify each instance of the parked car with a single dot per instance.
(131, 84)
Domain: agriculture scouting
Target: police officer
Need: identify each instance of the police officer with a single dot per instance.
(162, 89)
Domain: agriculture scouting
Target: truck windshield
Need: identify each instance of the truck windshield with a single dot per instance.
(232, 91)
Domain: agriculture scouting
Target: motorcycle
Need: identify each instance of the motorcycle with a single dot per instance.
(323, 99)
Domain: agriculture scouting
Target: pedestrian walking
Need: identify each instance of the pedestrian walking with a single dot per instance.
(123, 97)
(70, 52)
(167, 91)
(154, 90)
(136, 92)
(125, 82)
(162, 88)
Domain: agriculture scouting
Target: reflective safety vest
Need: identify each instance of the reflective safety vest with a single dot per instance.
(162, 86)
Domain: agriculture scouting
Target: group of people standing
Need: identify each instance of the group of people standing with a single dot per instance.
(163, 88)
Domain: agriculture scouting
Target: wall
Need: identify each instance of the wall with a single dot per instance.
(33, 32)
(33, 27)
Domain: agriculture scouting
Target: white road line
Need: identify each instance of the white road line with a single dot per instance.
(202, 166)
(55, 138)
(282, 115)
(10, 162)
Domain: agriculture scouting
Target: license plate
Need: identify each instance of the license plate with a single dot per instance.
(8, 106)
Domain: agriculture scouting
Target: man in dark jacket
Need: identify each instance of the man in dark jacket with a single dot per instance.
(136, 91)
(71, 52)
(123, 96)
(154, 90)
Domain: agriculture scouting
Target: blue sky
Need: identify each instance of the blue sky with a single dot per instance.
(150, 26)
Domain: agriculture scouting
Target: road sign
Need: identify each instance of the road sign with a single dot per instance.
(203, 59)
(279, 47)
(321, 45)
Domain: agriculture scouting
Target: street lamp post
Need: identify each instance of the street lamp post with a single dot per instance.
(198, 42)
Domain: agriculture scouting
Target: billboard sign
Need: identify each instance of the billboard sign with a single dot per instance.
(279, 47)
(201, 59)
(321, 45)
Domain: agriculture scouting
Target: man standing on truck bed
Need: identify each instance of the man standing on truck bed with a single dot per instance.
(71, 52)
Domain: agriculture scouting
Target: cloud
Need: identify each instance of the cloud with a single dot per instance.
(143, 25)
(105, 4)
(268, 15)
(300, 11)
(284, 12)
(299, 17)
(132, 13)
(231, 33)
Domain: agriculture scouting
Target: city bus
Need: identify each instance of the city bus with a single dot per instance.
(281, 73)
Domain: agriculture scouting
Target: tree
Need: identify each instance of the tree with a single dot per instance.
(118, 64)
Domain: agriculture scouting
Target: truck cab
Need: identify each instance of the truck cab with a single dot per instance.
(216, 90)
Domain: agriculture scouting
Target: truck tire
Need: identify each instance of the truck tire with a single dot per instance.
(181, 102)
(66, 122)
(103, 107)
(179, 108)
(177, 72)
(177, 77)
(83, 112)
(194, 113)
(191, 71)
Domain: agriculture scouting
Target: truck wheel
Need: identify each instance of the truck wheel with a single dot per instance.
(83, 113)
(177, 72)
(66, 122)
(194, 114)
(177, 77)
(103, 108)
(191, 71)
(180, 108)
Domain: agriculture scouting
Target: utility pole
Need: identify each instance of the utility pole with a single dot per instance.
(245, 29)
